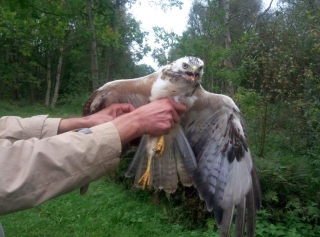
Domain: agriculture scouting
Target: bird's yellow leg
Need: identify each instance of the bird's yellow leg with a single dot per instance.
(159, 148)
(145, 178)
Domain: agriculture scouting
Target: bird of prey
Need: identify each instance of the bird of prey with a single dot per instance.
(207, 149)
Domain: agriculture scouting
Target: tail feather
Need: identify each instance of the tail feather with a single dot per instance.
(140, 153)
(186, 151)
(240, 218)
(170, 184)
(157, 172)
(139, 162)
(178, 162)
(256, 189)
(184, 176)
(251, 215)
(226, 222)
(185, 158)
(253, 203)
(165, 169)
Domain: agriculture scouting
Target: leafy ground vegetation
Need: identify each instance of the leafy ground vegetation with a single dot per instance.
(267, 59)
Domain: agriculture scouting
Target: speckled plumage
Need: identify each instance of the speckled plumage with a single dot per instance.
(208, 148)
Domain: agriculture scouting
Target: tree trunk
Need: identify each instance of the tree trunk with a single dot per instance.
(227, 41)
(57, 85)
(227, 36)
(264, 129)
(48, 79)
(94, 53)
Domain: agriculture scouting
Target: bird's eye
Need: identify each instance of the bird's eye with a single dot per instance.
(200, 68)
(185, 66)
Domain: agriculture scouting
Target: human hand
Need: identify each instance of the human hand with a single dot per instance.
(107, 114)
(159, 116)
(103, 116)
(156, 118)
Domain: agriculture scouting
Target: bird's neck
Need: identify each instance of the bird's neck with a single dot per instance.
(181, 93)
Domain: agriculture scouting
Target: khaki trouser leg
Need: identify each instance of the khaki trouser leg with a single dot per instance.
(1, 231)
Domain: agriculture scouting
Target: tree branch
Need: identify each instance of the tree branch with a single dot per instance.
(261, 15)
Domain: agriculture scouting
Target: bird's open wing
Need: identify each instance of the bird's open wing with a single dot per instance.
(225, 176)
(135, 91)
(179, 156)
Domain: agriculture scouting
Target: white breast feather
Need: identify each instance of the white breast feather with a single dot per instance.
(166, 89)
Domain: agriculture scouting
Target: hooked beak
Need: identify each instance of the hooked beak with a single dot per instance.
(194, 68)
(194, 74)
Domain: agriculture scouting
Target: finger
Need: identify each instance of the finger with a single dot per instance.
(123, 109)
(175, 116)
(127, 108)
(180, 108)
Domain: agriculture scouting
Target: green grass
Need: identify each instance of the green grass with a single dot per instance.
(25, 109)
(106, 210)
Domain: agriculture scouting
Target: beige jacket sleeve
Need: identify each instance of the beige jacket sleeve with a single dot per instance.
(36, 166)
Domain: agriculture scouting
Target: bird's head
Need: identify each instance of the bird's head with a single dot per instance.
(190, 67)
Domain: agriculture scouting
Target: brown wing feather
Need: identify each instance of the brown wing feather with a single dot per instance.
(135, 91)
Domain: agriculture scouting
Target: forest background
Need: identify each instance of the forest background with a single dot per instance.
(56, 53)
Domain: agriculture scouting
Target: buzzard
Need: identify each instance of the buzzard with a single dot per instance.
(207, 149)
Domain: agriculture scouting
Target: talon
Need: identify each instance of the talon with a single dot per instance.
(159, 148)
(145, 178)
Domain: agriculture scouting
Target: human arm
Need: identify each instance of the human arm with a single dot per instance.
(35, 170)
(14, 128)
(103, 116)
(155, 119)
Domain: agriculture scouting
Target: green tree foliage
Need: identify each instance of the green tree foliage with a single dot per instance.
(33, 33)
(205, 37)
